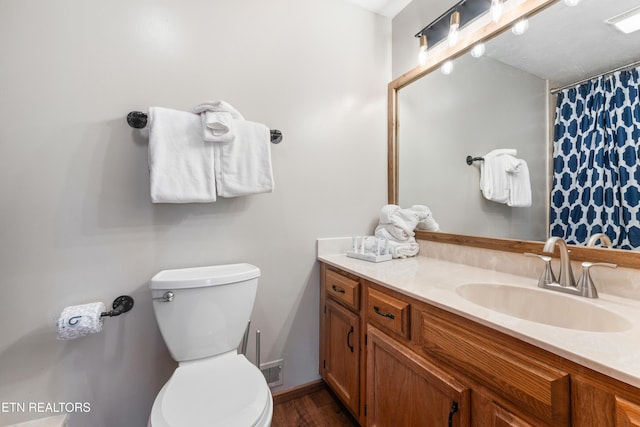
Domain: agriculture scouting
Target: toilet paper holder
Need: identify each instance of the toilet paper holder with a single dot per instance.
(120, 305)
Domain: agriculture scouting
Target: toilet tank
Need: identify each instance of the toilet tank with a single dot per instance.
(209, 311)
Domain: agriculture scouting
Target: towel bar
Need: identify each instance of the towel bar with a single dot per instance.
(471, 159)
(138, 120)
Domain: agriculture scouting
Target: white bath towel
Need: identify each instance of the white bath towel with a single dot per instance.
(494, 182)
(181, 164)
(217, 120)
(519, 183)
(243, 166)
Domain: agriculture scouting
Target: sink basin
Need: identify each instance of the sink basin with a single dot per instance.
(541, 306)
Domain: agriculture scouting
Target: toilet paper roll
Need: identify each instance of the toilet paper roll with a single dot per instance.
(80, 320)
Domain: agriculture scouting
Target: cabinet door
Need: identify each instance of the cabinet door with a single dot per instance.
(342, 354)
(404, 389)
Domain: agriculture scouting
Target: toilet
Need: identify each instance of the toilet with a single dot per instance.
(202, 313)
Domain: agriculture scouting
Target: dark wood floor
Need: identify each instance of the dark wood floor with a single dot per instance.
(319, 408)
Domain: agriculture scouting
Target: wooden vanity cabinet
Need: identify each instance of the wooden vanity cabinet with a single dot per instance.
(341, 336)
(414, 360)
(404, 389)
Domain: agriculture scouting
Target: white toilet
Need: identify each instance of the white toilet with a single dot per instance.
(202, 314)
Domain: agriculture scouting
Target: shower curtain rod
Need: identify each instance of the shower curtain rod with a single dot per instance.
(624, 67)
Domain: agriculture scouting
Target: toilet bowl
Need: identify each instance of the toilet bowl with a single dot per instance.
(202, 323)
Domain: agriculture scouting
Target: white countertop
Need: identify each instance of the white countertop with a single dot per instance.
(616, 354)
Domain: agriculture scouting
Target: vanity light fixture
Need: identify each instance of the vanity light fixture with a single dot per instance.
(627, 22)
(478, 50)
(447, 68)
(572, 3)
(520, 27)
(454, 26)
(496, 10)
(422, 54)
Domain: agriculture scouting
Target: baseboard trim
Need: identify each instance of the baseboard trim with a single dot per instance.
(298, 391)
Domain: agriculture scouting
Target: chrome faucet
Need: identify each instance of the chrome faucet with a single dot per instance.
(567, 282)
(565, 277)
(605, 241)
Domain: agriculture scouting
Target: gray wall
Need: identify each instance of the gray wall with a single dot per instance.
(77, 221)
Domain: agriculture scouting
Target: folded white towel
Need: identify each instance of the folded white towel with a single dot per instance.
(494, 181)
(181, 164)
(217, 119)
(425, 218)
(243, 166)
(398, 222)
(218, 106)
(519, 183)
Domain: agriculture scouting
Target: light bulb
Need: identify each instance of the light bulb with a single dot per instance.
(422, 53)
(520, 27)
(496, 10)
(571, 3)
(454, 27)
(478, 50)
(447, 68)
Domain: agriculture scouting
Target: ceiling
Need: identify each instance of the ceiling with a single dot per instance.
(567, 44)
(388, 8)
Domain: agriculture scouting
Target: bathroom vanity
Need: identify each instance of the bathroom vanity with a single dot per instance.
(402, 344)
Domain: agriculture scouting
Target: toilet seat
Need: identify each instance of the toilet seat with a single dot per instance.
(225, 390)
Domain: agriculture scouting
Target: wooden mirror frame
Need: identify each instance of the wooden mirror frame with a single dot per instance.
(624, 258)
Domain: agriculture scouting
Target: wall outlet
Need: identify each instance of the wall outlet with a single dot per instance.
(273, 372)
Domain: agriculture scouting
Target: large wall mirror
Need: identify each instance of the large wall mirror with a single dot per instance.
(503, 99)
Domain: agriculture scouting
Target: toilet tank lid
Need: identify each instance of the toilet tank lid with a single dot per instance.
(197, 277)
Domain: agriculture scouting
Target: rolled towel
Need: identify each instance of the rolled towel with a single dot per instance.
(425, 218)
(217, 120)
(404, 250)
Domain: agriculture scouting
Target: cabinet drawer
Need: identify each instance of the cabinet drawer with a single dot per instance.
(541, 390)
(388, 312)
(342, 288)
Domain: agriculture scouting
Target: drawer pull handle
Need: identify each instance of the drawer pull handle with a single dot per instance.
(453, 410)
(349, 339)
(379, 313)
(337, 289)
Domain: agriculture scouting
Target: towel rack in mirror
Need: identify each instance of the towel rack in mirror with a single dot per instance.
(138, 120)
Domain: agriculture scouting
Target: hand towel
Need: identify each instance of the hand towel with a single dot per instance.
(181, 164)
(494, 182)
(243, 166)
(398, 222)
(425, 218)
(217, 120)
(519, 183)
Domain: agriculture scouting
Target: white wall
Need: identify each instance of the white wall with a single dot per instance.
(77, 222)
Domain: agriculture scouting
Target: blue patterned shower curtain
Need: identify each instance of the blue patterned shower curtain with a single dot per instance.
(596, 161)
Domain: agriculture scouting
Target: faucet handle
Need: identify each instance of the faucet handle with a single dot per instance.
(585, 285)
(547, 275)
